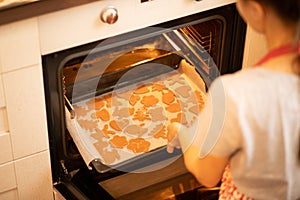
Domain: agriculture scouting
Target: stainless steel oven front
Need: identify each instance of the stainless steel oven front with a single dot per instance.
(109, 103)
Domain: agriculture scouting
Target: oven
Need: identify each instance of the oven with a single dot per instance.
(109, 103)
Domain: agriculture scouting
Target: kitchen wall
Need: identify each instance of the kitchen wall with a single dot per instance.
(24, 152)
(255, 48)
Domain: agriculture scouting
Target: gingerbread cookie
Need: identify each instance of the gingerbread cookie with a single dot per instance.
(123, 112)
(177, 79)
(96, 103)
(124, 94)
(103, 114)
(180, 118)
(138, 145)
(159, 131)
(87, 124)
(141, 114)
(108, 101)
(80, 111)
(115, 125)
(143, 89)
(168, 97)
(107, 132)
(108, 156)
(134, 99)
(194, 109)
(150, 100)
(135, 130)
(158, 87)
(157, 114)
(183, 91)
(119, 141)
(99, 136)
(174, 107)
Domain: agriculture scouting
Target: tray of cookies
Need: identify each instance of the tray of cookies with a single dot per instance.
(128, 125)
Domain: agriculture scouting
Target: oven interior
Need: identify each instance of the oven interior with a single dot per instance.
(212, 42)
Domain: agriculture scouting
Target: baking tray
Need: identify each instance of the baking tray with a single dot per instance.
(146, 139)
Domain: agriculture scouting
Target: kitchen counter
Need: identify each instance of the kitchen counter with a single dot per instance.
(37, 8)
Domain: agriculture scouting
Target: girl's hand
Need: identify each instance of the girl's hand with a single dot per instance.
(172, 136)
(181, 136)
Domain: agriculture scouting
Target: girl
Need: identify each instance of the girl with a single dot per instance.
(248, 134)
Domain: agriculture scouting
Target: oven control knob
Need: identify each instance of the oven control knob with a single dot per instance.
(109, 15)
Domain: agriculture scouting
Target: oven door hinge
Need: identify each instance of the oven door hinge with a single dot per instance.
(66, 173)
(65, 170)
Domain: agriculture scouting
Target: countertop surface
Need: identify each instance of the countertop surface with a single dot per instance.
(37, 8)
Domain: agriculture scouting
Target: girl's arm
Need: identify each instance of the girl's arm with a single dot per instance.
(208, 170)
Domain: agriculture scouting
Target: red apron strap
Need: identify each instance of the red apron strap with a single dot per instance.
(282, 50)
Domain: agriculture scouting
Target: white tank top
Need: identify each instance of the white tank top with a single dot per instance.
(260, 131)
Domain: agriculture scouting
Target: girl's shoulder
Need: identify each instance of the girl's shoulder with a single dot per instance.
(259, 77)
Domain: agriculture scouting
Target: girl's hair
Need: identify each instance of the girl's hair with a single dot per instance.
(288, 11)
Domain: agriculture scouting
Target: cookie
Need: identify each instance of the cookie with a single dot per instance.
(118, 141)
(87, 124)
(122, 123)
(107, 132)
(159, 131)
(168, 97)
(194, 109)
(123, 112)
(174, 107)
(96, 103)
(143, 89)
(135, 130)
(138, 145)
(158, 87)
(134, 99)
(113, 124)
(157, 114)
(108, 101)
(183, 91)
(176, 79)
(180, 118)
(150, 100)
(124, 94)
(108, 157)
(80, 111)
(98, 135)
(103, 114)
(141, 114)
